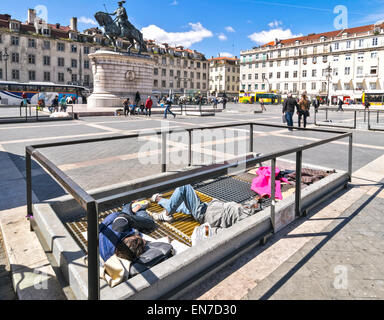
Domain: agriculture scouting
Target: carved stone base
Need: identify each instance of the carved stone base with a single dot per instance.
(118, 76)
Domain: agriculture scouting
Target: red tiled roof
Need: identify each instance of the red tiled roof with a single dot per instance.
(330, 34)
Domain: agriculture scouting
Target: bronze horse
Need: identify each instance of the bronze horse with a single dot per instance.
(112, 31)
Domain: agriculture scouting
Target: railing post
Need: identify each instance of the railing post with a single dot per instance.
(365, 116)
(37, 113)
(273, 193)
(28, 168)
(369, 120)
(251, 138)
(378, 120)
(93, 251)
(163, 152)
(355, 120)
(315, 117)
(350, 157)
(189, 148)
(299, 159)
(326, 115)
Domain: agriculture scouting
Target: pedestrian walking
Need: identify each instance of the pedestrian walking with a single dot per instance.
(63, 104)
(225, 103)
(168, 105)
(340, 105)
(148, 106)
(289, 109)
(126, 107)
(303, 110)
(366, 104)
(263, 108)
(215, 102)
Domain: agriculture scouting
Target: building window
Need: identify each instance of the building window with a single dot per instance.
(286, 86)
(31, 43)
(373, 55)
(278, 76)
(74, 63)
(373, 71)
(347, 71)
(60, 62)
(86, 50)
(374, 41)
(286, 63)
(61, 46)
(163, 72)
(164, 60)
(86, 64)
(156, 71)
(372, 86)
(336, 59)
(335, 71)
(270, 75)
(295, 74)
(361, 43)
(313, 85)
(73, 48)
(15, 57)
(60, 77)
(348, 57)
(305, 60)
(14, 41)
(31, 75)
(46, 45)
(286, 74)
(304, 86)
(337, 46)
(360, 57)
(314, 60)
(155, 83)
(304, 73)
(314, 73)
(360, 70)
(46, 61)
(86, 79)
(349, 44)
(15, 75)
(47, 76)
(249, 77)
(163, 84)
(74, 78)
(31, 59)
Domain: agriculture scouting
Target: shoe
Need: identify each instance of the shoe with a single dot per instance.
(163, 217)
(154, 197)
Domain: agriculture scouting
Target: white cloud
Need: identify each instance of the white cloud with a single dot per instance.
(86, 20)
(174, 3)
(197, 34)
(222, 37)
(274, 24)
(229, 29)
(264, 37)
(226, 54)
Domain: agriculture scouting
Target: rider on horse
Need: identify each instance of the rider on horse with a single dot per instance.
(121, 19)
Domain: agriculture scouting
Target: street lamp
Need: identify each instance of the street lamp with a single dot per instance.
(328, 74)
(5, 57)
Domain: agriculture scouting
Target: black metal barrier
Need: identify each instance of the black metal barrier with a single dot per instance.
(367, 118)
(148, 188)
(31, 116)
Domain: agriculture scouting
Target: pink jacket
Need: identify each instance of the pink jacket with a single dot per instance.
(262, 183)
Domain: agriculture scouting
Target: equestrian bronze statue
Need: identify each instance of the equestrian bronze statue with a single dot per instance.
(120, 27)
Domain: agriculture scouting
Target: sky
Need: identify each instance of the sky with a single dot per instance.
(213, 27)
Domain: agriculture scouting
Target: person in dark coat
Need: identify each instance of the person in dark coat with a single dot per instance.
(289, 109)
(340, 105)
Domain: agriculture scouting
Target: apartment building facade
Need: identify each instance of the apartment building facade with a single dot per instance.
(224, 76)
(343, 63)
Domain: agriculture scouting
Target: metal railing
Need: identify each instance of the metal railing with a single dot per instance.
(146, 189)
(26, 114)
(366, 120)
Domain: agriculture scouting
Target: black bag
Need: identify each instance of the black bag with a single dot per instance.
(155, 253)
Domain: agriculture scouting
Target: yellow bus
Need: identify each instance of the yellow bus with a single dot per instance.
(375, 98)
(255, 97)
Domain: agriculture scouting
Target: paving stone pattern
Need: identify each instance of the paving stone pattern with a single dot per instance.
(347, 262)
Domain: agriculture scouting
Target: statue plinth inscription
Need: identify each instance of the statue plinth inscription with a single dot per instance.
(118, 76)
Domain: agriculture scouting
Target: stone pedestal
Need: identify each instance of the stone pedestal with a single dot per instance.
(118, 76)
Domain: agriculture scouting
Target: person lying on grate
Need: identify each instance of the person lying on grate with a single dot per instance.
(118, 226)
(217, 213)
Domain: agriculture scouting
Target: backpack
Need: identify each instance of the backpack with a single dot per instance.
(156, 252)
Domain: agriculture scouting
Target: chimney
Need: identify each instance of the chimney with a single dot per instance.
(31, 16)
(57, 25)
(74, 24)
